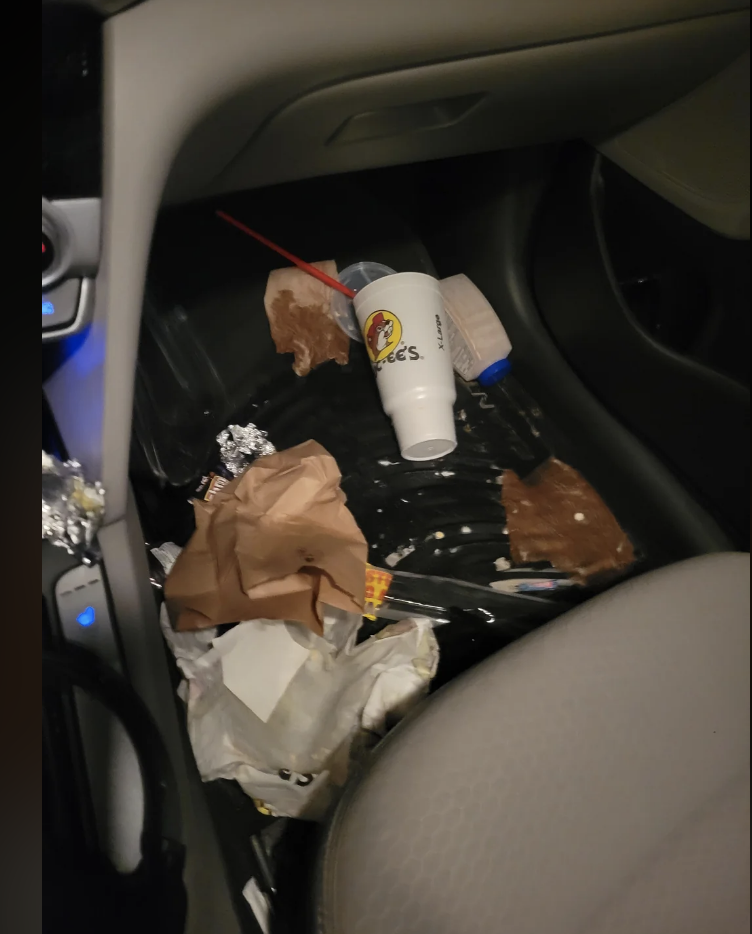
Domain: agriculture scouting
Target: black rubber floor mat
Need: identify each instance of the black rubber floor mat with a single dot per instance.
(439, 517)
(442, 517)
(207, 359)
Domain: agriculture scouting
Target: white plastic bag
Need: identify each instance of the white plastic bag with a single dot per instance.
(339, 697)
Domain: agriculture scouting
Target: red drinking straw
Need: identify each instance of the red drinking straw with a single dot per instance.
(300, 263)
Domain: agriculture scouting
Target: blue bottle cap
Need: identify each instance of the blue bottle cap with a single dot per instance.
(497, 371)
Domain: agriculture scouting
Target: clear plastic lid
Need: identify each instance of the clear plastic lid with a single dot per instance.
(355, 277)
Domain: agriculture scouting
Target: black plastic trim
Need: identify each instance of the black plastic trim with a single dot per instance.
(489, 238)
(693, 417)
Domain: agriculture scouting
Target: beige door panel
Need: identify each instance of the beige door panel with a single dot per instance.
(695, 152)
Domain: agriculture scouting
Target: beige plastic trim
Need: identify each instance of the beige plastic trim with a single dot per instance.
(210, 901)
(695, 153)
(211, 73)
(566, 90)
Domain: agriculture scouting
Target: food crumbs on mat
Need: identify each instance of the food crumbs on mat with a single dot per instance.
(543, 524)
(466, 530)
(395, 557)
(386, 463)
(299, 311)
(502, 564)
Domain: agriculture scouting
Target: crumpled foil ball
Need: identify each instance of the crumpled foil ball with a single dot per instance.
(72, 507)
(239, 443)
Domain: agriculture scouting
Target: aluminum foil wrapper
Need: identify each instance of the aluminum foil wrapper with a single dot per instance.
(72, 507)
(238, 444)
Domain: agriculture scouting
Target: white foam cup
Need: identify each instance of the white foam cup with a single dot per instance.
(403, 323)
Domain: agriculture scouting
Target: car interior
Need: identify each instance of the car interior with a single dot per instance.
(580, 764)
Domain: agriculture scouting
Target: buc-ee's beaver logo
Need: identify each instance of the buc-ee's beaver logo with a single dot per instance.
(383, 333)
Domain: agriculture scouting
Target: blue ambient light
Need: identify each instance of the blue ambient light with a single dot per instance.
(87, 617)
(48, 308)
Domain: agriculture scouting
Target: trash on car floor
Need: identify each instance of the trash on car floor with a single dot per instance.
(284, 711)
(404, 327)
(72, 506)
(555, 515)
(394, 595)
(437, 532)
(278, 542)
(239, 444)
(445, 520)
(299, 311)
(402, 318)
(259, 903)
(528, 585)
(285, 700)
(479, 344)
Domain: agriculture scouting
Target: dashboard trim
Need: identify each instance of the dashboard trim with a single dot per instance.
(83, 314)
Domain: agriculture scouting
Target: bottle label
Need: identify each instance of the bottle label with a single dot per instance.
(462, 359)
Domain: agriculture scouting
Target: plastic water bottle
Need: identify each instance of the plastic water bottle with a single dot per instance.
(477, 338)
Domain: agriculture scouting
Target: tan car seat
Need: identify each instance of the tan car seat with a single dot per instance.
(592, 778)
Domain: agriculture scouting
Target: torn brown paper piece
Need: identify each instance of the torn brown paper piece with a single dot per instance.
(555, 515)
(298, 308)
(276, 543)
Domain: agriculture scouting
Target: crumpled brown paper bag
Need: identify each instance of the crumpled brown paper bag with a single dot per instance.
(276, 543)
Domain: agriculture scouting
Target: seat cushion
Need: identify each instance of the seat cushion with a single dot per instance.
(591, 778)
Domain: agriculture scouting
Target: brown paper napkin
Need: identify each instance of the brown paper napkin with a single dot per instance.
(556, 516)
(298, 309)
